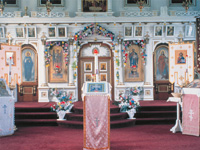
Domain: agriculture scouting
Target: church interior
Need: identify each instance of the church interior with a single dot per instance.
(100, 74)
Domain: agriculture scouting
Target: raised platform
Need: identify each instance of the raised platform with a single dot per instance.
(150, 112)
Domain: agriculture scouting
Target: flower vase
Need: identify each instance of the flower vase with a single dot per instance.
(61, 114)
(131, 113)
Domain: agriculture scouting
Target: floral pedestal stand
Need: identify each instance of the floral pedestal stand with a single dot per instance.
(131, 113)
(61, 115)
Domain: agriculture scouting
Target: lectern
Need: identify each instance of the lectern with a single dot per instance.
(191, 109)
(6, 110)
(96, 115)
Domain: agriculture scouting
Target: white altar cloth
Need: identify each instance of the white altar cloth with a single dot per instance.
(6, 110)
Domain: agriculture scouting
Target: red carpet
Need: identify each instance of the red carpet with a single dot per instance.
(143, 137)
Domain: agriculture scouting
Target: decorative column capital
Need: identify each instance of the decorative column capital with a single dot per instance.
(120, 40)
(71, 41)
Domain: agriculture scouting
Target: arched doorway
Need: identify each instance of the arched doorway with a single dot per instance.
(162, 86)
(28, 88)
(86, 65)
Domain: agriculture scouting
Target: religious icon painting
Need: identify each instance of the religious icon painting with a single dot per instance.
(28, 65)
(161, 59)
(62, 32)
(51, 32)
(158, 31)
(190, 31)
(10, 57)
(103, 77)
(103, 66)
(94, 5)
(134, 2)
(134, 69)
(138, 31)
(88, 77)
(88, 66)
(2, 32)
(170, 30)
(20, 32)
(180, 57)
(58, 71)
(31, 32)
(128, 31)
(57, 3)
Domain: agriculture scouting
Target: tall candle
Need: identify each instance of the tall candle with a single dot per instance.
(10, 70)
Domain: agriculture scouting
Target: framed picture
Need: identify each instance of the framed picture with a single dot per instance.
(158, 31)
(88, 66)
(147, 92)
(88, 77)
(94, 5)
(190, 30)
(180, 57)
(134, 3)
(138, 31)
(51, 32)
(103, 66)
(12, 3)
(62, 32)
(134, 69)
(170, 30)
(31, 32)
(20, 32)
(128, 31)
(11, 55)
(161, 60)
(96, 87)
(2, 32)
(103, 77)
(58, 71)
(180, 2)
(57, 3)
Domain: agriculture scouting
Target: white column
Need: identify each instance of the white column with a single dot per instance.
(121, 66)
(109, 5)
(79, 5)
(96, 67)
(71, 79)
(43, 70)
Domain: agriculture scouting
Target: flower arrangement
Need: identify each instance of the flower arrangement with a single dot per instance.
(136, 90)
(65, 100)
(128, 103)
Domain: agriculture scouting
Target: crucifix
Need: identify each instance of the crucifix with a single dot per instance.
(97, 121)
(4, 107)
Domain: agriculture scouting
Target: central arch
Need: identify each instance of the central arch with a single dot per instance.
(86, 64)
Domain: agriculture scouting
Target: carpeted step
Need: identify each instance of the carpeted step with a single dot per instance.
(32, 109)
(155, 114)
(35, 115)
(36, 122)
(153, 121)
(157, 108)
(79, 117)
(114, 124)
(79, 110)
